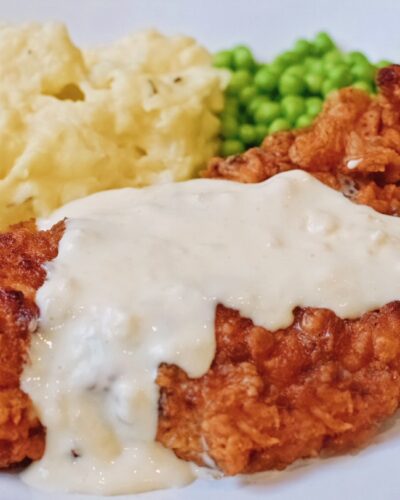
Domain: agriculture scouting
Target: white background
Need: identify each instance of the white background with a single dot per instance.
(268, 26)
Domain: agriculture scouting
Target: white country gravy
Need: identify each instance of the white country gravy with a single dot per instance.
(136, 282)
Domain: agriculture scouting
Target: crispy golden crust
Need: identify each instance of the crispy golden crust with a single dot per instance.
(353, 146)
(321, 385)
(23, 251)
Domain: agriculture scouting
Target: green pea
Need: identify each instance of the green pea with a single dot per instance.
(232, 147)
(363, 71)
(295, 69)
(383, 64)
(310, 61)
(323, 43)
(255, 103)
(262, 132)
(226, 115)
(333, 56)
(314, 83)
(303, 47)
(304, 121)
(279, 125)
(314, 65)
(291, 85)
(356, 57)
(229, 126)
(330, 65)
(277, 68)
(267, 112)
(340, 76)
(248, 134)
(242, 58)
(293, 106)
(314, 106)
(288, 58)
(327, 87)
(247, 94)
(231, 105)
(223, 59)
(363, 85)
(266, 80)
(239, 80)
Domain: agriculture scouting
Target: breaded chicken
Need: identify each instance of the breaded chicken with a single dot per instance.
(23, 251)
(353, 146)
(322, 385)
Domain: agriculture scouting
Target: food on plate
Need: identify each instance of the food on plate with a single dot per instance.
(72, 122)
(287, 93)
(147, 332)
(353, 146)
(139, 282)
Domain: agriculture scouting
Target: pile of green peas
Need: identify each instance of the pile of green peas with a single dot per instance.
(288, 93)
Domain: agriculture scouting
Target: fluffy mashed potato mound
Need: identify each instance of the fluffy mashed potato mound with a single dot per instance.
(73, 122)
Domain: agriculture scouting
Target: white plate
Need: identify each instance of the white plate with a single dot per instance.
(268, 26)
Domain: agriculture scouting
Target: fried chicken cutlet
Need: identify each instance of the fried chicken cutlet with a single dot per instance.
(269, 398)
(321, 385)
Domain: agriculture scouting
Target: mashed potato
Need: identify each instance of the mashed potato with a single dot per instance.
(73, 122)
